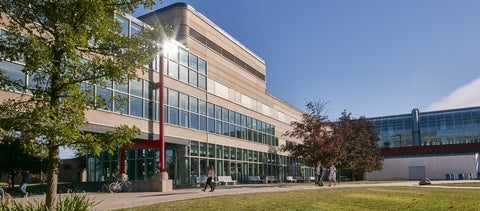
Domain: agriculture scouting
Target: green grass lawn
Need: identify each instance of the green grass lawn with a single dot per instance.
(361, 198)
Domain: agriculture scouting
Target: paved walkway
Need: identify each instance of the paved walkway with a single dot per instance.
(109, 201)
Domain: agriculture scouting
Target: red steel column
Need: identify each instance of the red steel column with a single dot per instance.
(161, 116)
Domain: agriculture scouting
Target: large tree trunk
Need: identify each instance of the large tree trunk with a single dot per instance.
(52, 177)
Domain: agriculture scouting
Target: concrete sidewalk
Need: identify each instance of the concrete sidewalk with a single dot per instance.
(112, 201)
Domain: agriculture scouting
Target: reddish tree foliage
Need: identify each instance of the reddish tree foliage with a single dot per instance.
(319, 143)
(359, 135)
(348, 143)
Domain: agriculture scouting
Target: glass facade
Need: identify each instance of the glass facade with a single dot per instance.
(457, 126)
(189, 112)
(185, 163)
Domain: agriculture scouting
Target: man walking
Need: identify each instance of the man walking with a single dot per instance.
(24, 182)
(319, 180)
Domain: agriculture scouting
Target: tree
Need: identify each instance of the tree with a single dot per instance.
(359, 137)
(66, 46)
(318, 140)
(13, 157)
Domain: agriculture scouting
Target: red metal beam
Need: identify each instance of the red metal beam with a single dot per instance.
(160, 143)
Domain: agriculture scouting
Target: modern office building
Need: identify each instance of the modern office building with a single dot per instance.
(205, 97)
(437, 144)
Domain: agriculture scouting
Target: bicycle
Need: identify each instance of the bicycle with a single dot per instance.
(120, 186)
(105, 188)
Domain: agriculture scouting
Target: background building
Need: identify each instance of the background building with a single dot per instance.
(437, 144)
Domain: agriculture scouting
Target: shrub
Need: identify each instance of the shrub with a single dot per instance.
(70, 202)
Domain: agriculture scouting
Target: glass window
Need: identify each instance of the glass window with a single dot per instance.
(211, 125)
(193, 78)
(173, 69)
(219, 149)
(225, 128)
(121, 103)
(211, 150)
(202, 66)
(233, 153)
(173, 116)
(149, 110)
(211, 110)
(105, 96)
(218, 112)
(249, 122)
(239, 154)
(218, 127)
(148, 89)
(183, 74)
(184, 118)
(172, 98)
(225, 114)
(202, 107)
(172, 51)
(232, 117)
(226, 152)
(193, 104)
(136, 87)
(183, 101)
(121, 88)
(13, 72)
(136, 107)
(203, 123)
(192, 62)
(194, 148)
(123, 24)
(203, 149)
(202, 82)
(135, 29)
(237, 118)
(183, 57)
(166, 111)
(194, 121)
(87, 90)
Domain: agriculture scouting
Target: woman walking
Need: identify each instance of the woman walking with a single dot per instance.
(332, 176)
(211, 175)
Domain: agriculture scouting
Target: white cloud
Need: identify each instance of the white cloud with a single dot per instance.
(465, 96)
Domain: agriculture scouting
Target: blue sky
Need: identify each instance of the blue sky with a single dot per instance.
(370, 57)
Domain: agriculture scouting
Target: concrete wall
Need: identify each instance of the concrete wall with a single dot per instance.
(435, 167)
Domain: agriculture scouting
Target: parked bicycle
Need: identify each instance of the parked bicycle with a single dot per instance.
(121, 185)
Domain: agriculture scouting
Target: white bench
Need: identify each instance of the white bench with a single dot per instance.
(225, 180)
(290, 179)
(255, 179)
(271, 179)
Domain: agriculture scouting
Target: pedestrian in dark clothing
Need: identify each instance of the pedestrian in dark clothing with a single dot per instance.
(24, 182)
(319, 180)
(211, 175)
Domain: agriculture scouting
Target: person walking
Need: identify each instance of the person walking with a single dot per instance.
(211, 175)
(332, 177)
(23, 183)
(319, 179)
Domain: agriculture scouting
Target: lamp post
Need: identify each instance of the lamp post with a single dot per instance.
(161, 115)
